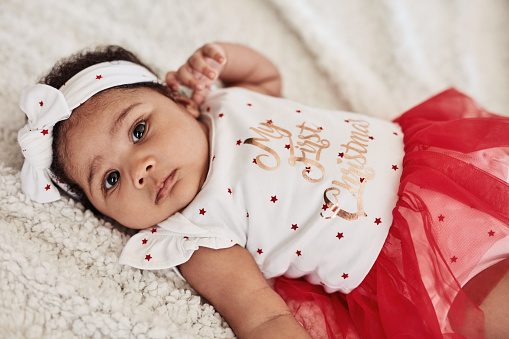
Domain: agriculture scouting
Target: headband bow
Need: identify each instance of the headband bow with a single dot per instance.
(45, 106)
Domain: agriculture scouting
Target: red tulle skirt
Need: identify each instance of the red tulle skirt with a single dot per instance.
(450, 223)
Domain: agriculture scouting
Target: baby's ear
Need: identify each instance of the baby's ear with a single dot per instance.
(188, 104)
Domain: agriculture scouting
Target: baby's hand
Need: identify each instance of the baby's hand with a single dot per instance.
(199, 72)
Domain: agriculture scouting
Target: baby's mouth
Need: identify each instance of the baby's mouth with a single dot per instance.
(166, 187)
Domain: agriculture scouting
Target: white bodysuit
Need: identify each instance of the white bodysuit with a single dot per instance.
(308, 192)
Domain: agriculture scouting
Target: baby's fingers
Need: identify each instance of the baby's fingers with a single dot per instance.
(215, 52)
(200, 65)
(199, 95)
(171, 81)
(186, 76)
(190, 78)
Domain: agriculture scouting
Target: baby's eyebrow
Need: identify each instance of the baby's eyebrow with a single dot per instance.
(121, 117)
(93, 170)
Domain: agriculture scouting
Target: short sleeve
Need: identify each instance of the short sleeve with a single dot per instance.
(170, 244)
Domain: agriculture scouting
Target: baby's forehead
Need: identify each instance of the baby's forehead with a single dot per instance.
(92, 109)
(106, 99)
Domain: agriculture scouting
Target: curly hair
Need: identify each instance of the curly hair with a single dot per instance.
(61, 72)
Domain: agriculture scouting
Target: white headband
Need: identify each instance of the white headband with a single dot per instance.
(45, 106)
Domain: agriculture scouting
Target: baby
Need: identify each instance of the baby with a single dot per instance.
(235, 186)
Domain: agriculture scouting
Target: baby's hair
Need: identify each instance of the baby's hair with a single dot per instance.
(59, 75)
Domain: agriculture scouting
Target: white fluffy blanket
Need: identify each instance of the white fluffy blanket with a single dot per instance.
(59, 276)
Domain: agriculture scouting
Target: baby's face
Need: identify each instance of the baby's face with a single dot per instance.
(138, 156)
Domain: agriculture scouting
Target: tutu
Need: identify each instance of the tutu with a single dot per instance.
(450, 223)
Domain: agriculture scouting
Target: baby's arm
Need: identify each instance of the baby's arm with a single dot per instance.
(230, 279)
(235, 65)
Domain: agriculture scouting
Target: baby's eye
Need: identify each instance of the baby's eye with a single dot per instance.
(138, 132)
(111, 180)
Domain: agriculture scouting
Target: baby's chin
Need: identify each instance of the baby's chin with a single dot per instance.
(139, 225)
(138, 221)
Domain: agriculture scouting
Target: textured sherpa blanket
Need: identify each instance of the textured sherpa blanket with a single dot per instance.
(59, 275)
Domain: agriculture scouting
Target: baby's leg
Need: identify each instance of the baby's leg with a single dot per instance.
(490, 290)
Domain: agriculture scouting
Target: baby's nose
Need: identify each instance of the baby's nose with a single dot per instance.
(142, 172)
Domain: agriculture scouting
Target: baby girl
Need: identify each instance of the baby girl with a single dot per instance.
(234, 186)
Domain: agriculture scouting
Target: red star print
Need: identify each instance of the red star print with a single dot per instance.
(239, 142)
(41, 103)
(308, 169)
(273, 198)
(340, 235)
(287, 146)
(221, 115)
(144, 241)
(378, 221)
(395, 133)
(294, 227)
(371, 138)
(154, 230)
(230, 191)
(299, 253)
(260, 251)
(441, 218)
(247, 214)
(361, 179)
(269, 122)
(202, 211)
(98, 77)
(324, 207)
(347, 121)
(186, 238)
(44, 132)
(254, 161)
(491, 233)
(148, 257)
(344, 276)
(395, 167)
(48, 186)
(341, 154)
(213, 158)
(320, 128)
(453, 259)
(298, 111)
(249, 104)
